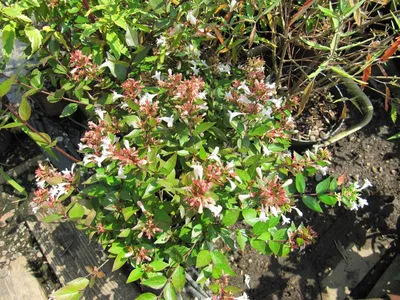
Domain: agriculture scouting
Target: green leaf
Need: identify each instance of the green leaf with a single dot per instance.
(8, 38)
(323, 186)
(312, 203)
(120, 260)
(169, 165)
(12, 125)
(117, 48)
(275, 247)
(51, 218)
(259, 131)
(344, 74)
(260, 227)
(72, 290)
(6, 85)
(329, 200)
(333, 185)
(178, 279)
(76, 212)
(69, 110)
(259, 245)
(300, 183)
(203, 258)
(158, 265)
(24, 110)
(314, 45)
(230, 217)
(203, 127)
(174, 254)
(131, 37)
(280, 235)
(156, 282)
(56, 96)
(14, 13)
(169, 292)
(196, 231)
(135, 275)
(147, 296)
(218, 258)
(241, 240)
(250, 216)
(34, 37)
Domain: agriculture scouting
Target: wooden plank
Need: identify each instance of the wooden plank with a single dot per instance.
(68, 251)
(389, 283)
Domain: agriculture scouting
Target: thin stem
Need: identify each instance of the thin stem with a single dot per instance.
(40, 134)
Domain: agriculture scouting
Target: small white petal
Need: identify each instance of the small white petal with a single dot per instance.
(157, 76)
(214, 155)
(198, 171)
(244, 197)
(234, 114)
(247, 280)
(285, 220)
(263, 216)
(243, 86)
(353, 206)
(288, 182)
(191, 18)
(121, 174)
(298, 211)
(362, 202)
(168, 120)
(366, 184)
(274, 210)
(116, 96)
(259, 172)
(233, 185)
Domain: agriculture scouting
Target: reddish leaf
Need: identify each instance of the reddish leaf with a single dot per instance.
(387, 99)
(341, 179)
(301, 11)
(391, 50)
(219, 35)
(344, 112)
(367, 72)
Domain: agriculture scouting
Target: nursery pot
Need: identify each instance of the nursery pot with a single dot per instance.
(346, 88)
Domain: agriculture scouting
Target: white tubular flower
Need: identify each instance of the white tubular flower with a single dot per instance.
(82, 146)
(232, 5)
(274, 210)
(116, 96)
(323, 170)
(161, 41)
(288, 182)
(362, 202)
(298, 211)
(259, 172)
(224, 68)
(233, 185)
(198, 171)
(191, 18)
(140, 204)
(243, 86)
(263, 216)
(228, 96)
(366, 184)
(202, 95)
(215, 209)
(243, 99)
(353, 206)
(98, 111)
(88, 159)
(41, 184)
(168, 120)
(244, 197)
(277, 102)
(230, 165)
(233, 114)
(266, 151)
(214, 155)
(157, 76)
(243, 297)
(126, 144)
(147, 98)
(195, 70)
(285, 220)
(247, 280)
(121, 174)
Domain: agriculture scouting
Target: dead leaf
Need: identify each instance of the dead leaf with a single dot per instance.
(252, 35)
(306, 96)
(219, 35)
(391, 50)
(341, 179)
(6, 216)
(343, 115)
(301, 11)
(367, 72)
(387, 97)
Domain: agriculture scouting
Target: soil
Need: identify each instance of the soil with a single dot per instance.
(365, 155)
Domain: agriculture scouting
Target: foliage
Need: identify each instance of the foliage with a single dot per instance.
(188, 137)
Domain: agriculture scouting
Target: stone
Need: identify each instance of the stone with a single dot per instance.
(39, 255)
(19, 282)
(3, 259)
(2, 243)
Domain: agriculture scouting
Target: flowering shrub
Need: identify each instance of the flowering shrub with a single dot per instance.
(169, 168)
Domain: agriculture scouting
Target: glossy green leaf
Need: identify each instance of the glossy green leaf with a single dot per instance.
(275, 247)
(156, 282)
(147, 296)
(241, 240)
(260, 227)
(120, 260)
(131, 37)
(178, 279)
(24, 109)
(76, 212)
(327, 199)
(72, 290)
(169, 165)
(6, 85)
(203, 127)
(169, 292)
(300, 183)
(259, 245)
(69, 110)
(323, 186)
(203, 258)
(259, 131)
(8, 38)
(135, 275)
(312, 203)
(230, 217)
(34, 37)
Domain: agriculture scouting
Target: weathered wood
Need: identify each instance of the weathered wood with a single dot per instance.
(68, 251)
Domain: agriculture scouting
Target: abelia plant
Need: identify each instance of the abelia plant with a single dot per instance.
(172, 163)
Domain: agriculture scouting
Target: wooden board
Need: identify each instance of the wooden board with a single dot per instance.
(68, 251)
